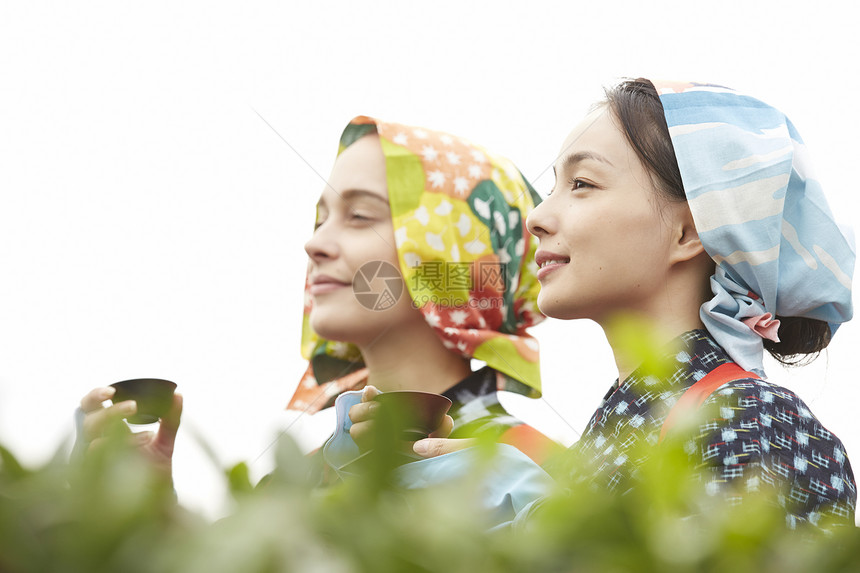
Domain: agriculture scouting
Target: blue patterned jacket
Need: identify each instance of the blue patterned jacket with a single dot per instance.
(750, 436)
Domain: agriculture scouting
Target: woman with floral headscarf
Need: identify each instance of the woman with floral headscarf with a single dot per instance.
(420, 261)
(691, 208)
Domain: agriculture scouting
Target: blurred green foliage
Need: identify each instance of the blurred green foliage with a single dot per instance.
(114, 513)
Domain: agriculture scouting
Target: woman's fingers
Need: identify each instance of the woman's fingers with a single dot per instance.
(97, 421)
(362, 434)
(136, 440)
(168, 427)
(445, 428)
(361, 415)
(95, 444)
(432, 447)
(93, 400)
(369, 393)
(100, 421)
(363, 412)
(98, 418)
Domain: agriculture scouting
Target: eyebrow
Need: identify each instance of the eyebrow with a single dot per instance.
(353, 194)
(581, 156)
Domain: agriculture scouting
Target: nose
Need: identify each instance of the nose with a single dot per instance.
(540, 220)
(322, 244)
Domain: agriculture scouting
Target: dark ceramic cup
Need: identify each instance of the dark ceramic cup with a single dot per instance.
(154, 398)
(415, 414)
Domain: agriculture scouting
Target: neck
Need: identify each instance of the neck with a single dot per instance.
(412, 358)
(640, 336)
(638, 341)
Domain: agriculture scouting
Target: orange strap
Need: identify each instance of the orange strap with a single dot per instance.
(696, 394)
(531, 442)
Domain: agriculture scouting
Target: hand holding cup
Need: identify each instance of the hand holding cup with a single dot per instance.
(405, 415)
(137, 402)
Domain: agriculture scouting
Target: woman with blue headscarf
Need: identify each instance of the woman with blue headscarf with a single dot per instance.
(686, 214)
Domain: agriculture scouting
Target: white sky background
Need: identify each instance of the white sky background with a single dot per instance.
(152, 225)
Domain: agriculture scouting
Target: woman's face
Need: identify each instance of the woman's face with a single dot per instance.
(603, 231)
(353, 227)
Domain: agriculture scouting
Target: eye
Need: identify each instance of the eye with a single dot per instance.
(318, 224)
(578, 184)
(359, 217)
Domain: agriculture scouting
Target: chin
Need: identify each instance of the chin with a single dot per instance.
(558, 309)
(548, 306)
(339, 328)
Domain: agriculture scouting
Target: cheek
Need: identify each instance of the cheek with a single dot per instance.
(625, 240)
(377, 244)
(575, 224)
(645, 252)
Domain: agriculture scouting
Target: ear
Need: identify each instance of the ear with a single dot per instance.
(686, 244)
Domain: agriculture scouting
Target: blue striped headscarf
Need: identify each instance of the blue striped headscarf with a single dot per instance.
(761, 215)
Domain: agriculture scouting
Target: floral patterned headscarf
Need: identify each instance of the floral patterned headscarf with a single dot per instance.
(465, 256)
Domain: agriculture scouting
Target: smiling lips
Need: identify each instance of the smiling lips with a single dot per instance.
(321, 284)
(548, 262)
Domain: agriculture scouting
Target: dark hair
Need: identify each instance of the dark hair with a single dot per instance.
(800, 340)
(636, 105)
